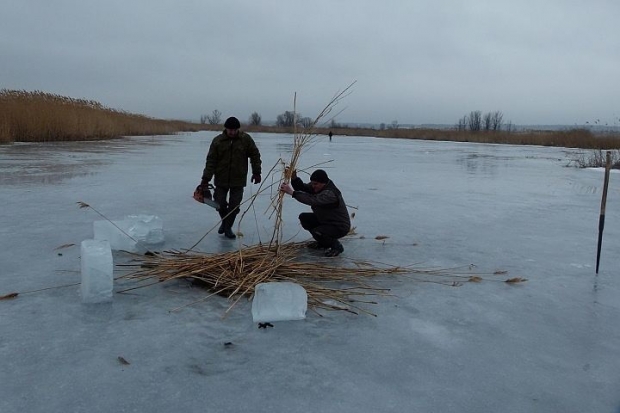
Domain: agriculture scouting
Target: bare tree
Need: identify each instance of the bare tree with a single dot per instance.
(305, 122)
(286, 119)
(255, 119)
(475, 120)
(382, 126)
(486, 121)
(393, 125)
(215, 118)
(203, 119)
(462, 125)
(497, 120)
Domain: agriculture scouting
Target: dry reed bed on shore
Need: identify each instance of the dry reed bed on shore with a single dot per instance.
(45, 117)
(571, 138)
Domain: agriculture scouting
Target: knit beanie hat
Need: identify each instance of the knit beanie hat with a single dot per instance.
(319, 176)
(232, 123)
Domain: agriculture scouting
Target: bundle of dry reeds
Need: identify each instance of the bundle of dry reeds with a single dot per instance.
(349, 286)
(235, 274)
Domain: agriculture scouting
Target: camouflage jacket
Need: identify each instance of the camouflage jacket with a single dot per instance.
(227, 160)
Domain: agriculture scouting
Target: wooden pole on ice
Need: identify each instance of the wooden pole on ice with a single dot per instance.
(601, 220)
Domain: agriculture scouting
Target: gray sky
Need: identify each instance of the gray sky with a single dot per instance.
(424, 61)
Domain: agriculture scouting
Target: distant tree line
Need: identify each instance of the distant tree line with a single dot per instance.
(215, 118)
(475, 121)
(286, 119)
(289, 119)
(490, 121)
(393, 125)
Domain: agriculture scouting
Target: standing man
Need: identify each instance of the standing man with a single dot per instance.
(329, 219)
(227, 161)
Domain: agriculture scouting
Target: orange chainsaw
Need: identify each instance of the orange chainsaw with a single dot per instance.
(204, 196)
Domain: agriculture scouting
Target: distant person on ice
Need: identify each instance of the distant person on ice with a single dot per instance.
(330, 135)
(227, 162)
(329, 219)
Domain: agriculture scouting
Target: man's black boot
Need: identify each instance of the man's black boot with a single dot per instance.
(228, 233)
(314, 245)
(335, 250)
(222, 227)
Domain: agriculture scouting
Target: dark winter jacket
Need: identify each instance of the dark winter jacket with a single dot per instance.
(328, 204)
(227, 160)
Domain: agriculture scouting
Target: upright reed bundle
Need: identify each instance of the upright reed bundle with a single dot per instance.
(301, 142)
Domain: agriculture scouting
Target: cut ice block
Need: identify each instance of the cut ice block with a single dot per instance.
(279, 301)
(131, 233)
(97, 271)
(147, 229)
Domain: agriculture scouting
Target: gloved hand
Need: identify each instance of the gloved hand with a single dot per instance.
(198, 196)
(256, 179)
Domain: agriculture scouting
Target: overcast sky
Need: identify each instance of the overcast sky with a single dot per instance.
(413, 61)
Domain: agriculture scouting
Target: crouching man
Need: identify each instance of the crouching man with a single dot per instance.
(329, 219)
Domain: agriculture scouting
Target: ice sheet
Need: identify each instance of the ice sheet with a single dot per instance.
(550, 344)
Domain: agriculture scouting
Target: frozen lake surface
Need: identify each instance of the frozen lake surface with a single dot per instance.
(551, 344)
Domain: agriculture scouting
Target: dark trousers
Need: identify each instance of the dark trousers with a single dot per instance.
(229, 200)
(325, 235)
